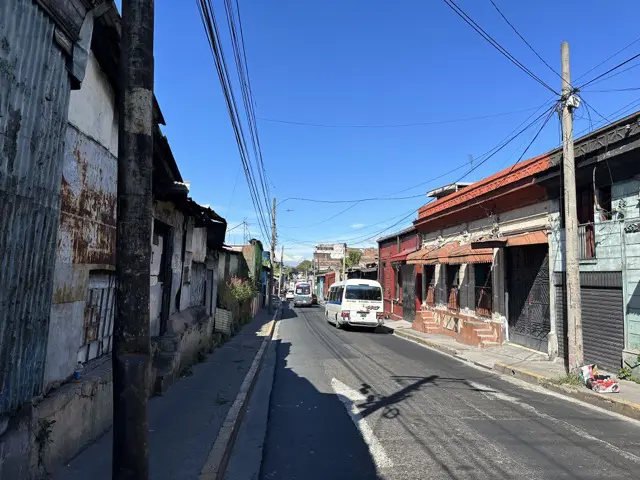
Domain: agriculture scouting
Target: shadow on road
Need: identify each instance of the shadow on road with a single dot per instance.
(310, 435)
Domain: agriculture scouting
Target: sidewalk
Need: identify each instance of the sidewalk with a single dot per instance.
(184, 423)
(527, 365)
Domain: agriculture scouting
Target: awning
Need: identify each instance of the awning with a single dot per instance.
(401, 256)
(533, 238)
(431, 256)
(467, 254)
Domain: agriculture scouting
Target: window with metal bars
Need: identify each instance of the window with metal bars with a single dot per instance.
(99, 313)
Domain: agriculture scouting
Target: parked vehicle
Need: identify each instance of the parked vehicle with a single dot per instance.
(289, 295)
(314, 299)
(302, 295)
(355, 302)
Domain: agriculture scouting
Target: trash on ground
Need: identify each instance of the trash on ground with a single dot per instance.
(598, 383)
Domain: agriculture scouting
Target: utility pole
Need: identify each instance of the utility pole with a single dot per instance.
(131, 344)
(344, 263)
(574, 302)
(273, 253)
(280, 284)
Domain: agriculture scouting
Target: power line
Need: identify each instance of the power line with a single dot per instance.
(210, 25)
(488, 156)
(544, 124)
(523, 39)
(480, 31)
(609, 71)
(397, 125)
(366, 238)
(244, 80)
(608, 58)
(630, 89)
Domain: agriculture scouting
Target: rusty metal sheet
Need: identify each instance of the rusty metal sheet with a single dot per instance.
(88, 202)
(34, 95)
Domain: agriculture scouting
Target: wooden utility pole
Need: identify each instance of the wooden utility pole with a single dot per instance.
(273, 253)
(131, 345)
(574, 303)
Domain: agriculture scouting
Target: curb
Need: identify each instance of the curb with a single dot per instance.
(423, 341)
(218, 458)
(606, 402)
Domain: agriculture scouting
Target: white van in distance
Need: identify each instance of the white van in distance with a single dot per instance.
(356, 302)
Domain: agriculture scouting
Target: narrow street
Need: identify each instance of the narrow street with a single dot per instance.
(421, 414)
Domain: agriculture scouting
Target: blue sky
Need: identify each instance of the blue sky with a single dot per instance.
(373, 62)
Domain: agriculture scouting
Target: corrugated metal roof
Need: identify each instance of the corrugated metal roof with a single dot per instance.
(34, 96)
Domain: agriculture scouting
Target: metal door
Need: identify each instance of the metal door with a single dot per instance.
(602, 318)
(408, 292)
(528, 289)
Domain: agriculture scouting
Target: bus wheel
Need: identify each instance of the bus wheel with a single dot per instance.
(338, 326)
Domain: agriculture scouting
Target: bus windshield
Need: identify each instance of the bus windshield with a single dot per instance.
(363, 292)
(303, 290)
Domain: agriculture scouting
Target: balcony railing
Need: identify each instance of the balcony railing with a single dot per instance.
(586, 241)
(454, 299)
(484, 301)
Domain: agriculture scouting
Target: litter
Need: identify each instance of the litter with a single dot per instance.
(598, 383)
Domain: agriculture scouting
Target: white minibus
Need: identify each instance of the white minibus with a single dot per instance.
(355, 302)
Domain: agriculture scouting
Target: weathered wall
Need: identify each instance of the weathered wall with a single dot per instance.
(198, 282)
(92, 108)
(199, 245)
(617, 249)
(34, 95)
(167, 213)
(87, 230)
(520, 220)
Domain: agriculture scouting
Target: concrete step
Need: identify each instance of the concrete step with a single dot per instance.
(489, 344)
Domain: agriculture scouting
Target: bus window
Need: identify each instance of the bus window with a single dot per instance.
(303, 290)
(363, 292)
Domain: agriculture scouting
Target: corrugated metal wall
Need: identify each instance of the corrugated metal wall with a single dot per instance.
(34, 95)
(602, 318)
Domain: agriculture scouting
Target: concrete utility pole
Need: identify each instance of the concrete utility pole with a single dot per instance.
(280, 283)
(344, 263)
(131, 345)
(273, 253)
(574, 302)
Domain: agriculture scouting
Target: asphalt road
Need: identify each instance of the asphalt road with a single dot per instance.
(351, 404)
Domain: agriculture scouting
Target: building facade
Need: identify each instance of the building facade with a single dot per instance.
(482, 270)
(393, 273)
(608, 189)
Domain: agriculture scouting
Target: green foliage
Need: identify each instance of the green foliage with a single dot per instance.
(242, 289)
(235, 292)
(304, 265)
(625, 373)
(353, 259)
(571, 380)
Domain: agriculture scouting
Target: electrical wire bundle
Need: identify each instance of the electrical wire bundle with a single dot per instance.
(258, 186)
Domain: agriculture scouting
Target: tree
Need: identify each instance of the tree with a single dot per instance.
(353, 259)
(304, 266)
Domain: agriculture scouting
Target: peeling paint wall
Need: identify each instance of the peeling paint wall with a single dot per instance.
(166, 212)
(198, 282)
(86, 243)
(199, 244)
(34, 96)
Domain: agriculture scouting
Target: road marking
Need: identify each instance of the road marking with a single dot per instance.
(492, 392)
(349, 397)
